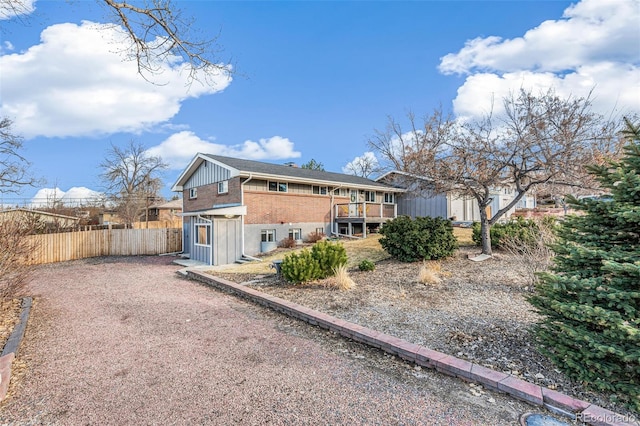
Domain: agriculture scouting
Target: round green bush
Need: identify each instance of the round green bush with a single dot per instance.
(423, 238)
(321, 262)
(521, 229)
(367, 265)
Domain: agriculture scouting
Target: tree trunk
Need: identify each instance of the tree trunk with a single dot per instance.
(485, 232)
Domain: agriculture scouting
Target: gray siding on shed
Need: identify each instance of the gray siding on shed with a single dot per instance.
(207, 173)
(413, 206)
(226, 240)
(225, 237)
(197, 252)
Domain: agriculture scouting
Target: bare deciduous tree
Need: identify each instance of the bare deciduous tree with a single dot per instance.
(159, 33)
(14, 173)
(132, 178)
(540, 140)
(15, 251)
(364, 166)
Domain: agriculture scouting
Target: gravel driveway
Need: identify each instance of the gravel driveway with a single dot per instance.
(127, 341)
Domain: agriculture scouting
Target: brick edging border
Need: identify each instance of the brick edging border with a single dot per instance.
(11, 347)
(554, 401)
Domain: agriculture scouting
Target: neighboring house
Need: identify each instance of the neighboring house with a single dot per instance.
(165, 211)
(41, 221)
(233, 207)
(450, 205)
(109, 218)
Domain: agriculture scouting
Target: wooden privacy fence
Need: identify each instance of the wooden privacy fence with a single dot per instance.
(60, 247)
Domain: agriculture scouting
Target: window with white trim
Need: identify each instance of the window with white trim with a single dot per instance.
(370, 196)
(278, 186)
(295, 233)
(203, 234)
(389, 197)
(320, 231)
(223, 187)
(193, 193)
(268, 235)
(319, 190)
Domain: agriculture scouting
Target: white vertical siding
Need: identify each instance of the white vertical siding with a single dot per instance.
(207, 173)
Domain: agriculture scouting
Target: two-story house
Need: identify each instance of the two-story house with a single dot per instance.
(234, 208)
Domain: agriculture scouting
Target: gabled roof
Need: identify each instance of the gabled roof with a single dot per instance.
(399, 178)
(261, 170)
(173, 204)
(39, 212)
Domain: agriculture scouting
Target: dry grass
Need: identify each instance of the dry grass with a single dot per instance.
(464, 236)
(429, 272)
(341, 280)
(368, 248)
(357, 251)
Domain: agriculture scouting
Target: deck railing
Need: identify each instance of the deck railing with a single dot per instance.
(366, 210)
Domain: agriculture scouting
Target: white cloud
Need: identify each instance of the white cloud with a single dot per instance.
(76, 196)
(12, 8)
(364, 165)
(179, 148)
(596, 45)
(6, 46)
(76, 82)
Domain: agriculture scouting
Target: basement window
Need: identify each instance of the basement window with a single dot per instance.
(295, 234)
(268, 235)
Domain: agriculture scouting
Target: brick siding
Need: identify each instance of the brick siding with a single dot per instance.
(278, 207)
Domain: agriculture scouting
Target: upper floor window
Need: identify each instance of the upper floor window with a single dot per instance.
(321, 190)
(370, 196)
(193, 192)
(389, 197)
(223, 187)
(278, 186)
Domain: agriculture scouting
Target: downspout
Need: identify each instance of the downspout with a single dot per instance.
(242, 220)
(333, 194)
(211, 246)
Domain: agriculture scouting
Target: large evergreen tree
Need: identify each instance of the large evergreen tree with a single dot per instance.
(591, 303)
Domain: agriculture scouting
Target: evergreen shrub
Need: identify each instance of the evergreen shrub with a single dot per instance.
(423, 238)
(319, 262)
(367, 265)
(590, 303)
(518, 228)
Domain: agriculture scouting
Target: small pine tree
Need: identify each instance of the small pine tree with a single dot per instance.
(591, 303)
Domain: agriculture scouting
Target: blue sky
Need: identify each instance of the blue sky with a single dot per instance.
(314, 79)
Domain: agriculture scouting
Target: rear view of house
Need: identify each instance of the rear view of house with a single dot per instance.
(234, 207)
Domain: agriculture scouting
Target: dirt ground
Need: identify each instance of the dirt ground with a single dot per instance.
(127, 341)
(477, 312)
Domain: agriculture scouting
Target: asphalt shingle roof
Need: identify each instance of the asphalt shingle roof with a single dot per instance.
(251, 166)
